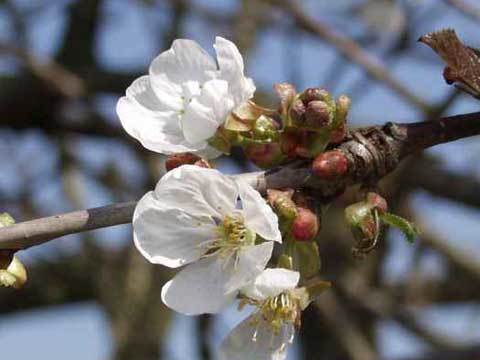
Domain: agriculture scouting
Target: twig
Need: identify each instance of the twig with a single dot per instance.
(372, 153)
(352, 51)
(465, 8)
(347, 333)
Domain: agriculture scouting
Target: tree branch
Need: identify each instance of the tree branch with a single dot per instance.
(350, 50)
(372, 153)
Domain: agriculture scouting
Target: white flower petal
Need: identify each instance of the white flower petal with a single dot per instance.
(251, 262)
(259, 217)
(198, 122)
(231, 69)
(142, 92)
(184, 61)
(156, 131)
(271, 282)
(169, 236)
(200, 288)
(205, 113)
(239, 344)
(197, 191)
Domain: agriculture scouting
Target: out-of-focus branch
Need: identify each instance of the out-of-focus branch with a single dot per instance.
(465, 8)
(351, 50)
(461, 259)
(372, 152)
(468, 353)
(383, 305)
(60, 79)
(429, 175)
(347, 333)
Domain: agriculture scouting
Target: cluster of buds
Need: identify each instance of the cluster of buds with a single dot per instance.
(314, 117)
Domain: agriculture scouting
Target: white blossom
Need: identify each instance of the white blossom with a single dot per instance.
(221, 227)
(266, 334)
(179, 106)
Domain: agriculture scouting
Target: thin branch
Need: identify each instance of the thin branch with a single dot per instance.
(346, 331)
(372, 153)
(465, 8)
(352, 51)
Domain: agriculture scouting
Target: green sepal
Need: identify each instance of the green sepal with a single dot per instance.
(405, 226)
(306, 258)
(285, 262)
(319, 143)
(233, 123)
(316, 288)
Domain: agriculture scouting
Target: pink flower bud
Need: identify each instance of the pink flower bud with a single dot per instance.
(297, 111)
(176, 160)
(377, 201)
(312, 94)
(264, 155)
(330, 165)
(305, 226)
(317, 114)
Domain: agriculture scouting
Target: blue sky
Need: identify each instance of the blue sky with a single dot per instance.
(55, 332)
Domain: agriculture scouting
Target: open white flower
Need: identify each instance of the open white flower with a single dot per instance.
(266, 334)
(179, 106)
(194, 217)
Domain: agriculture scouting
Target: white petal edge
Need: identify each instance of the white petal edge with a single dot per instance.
(156, 131)
(198, 191)
(185, 60)
(270, 283)
(252, 260)
(200, 288)
(259, 217)
(231, 66)
(168, 236)
(205, 113)
(238, 345)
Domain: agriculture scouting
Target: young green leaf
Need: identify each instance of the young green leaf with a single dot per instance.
(405, 226)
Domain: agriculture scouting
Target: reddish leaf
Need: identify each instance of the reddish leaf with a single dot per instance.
(463, 62)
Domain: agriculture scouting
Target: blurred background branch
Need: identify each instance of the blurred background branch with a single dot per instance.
(63, 65)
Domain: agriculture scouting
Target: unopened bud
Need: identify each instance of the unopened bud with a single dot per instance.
(342, 107)
(15, 275)
(312, 94)
(317, 114)
(356, 213)
(264, 155)
(305, 226)
(265, 128)
(176, 160)
(297, 111)
(273, 195)
(365, 226)
(330, 165)
(282, 203)
(377, 202)
(289, 142)
(338, 135)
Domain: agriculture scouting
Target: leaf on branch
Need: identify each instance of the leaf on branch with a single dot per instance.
(463, 62)
(405, 226)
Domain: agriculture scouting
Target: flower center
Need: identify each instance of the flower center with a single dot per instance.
(279, 310)
(233, 235)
